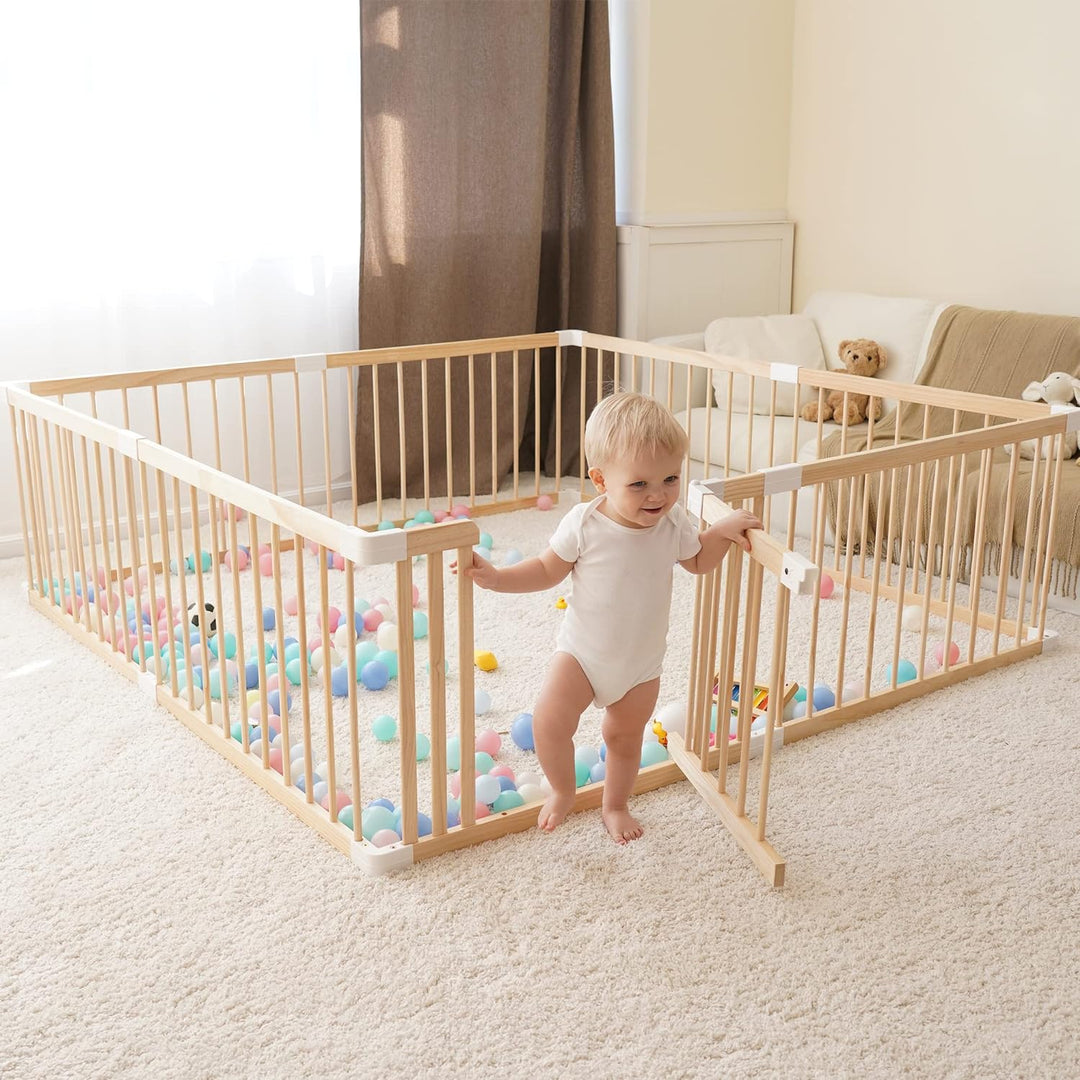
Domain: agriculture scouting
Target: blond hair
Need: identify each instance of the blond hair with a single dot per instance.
(626, 424)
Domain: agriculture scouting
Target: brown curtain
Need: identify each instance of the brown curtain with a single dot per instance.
(489, 210)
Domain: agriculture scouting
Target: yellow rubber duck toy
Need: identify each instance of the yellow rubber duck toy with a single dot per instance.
(561, 603)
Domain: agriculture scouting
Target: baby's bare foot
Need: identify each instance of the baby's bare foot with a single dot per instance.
(554, 810)
(621, 825)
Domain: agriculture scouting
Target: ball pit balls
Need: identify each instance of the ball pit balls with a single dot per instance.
(333, 617)
(345, 816)
(521, 731)
(202, 618)
(800, 693)
(488, 741)
(374, 675)
(581, 773)
(587, 756)
(824, 698)
(365, 651)
(291, 605)
(269, 618)
(652, 753)
(339, 681)
(419, 625)
(375, 818)
(293, 671)
(453, 814)
(507, 800)
(266, 565)
(544, 502)
(486, 541)
(485, 660)
(530, 792)
(512, 557)
(484, 762)
(360, 605)
(488, 789)
(423, 746)
(390, 660)
(483, 702)
(372, 619)
(386, 636)
(453, 754)
(504, 772)
(826, 585)
(384, 838)
(939, 653)
(853, 689)
(911, 618)
(384, 728)
(482, 810)
(905, 672)
(455, 784)
(597, 772)
(673, 717)
(460, 511)
(424, 517)
(251, 675)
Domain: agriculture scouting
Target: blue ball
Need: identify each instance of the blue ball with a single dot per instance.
(339, 681)
(506, 783)
(423, 825)
(382, 802)
(521, 731)
(375, 675)
(251, 675)
(905, 672)
(597, 772)
(358, 618)
(824, 698)
(269, 618)
(273, 700)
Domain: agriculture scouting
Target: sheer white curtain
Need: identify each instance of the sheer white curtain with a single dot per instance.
(180, 183)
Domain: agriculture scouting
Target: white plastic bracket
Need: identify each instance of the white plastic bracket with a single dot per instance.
(572, 337)
(798, 573)
(148, 684)
(698, 489)
(372, 548)
(757, 741)
(9, 386)
(1072, 415)
(128, 443)
(785, 373)
(778, 478)
(378, 861)
(311, 362)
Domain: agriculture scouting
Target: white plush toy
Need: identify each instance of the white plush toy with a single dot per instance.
(1059, 387)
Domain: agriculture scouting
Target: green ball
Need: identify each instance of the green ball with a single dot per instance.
(345, 817)
(425, 517)
(507, 800)
(292, 671)
(581, 773)
(713, 724)
(365, 652)
(419, 625)
(484, 762)
(375, 818)
(453, 754)
(423, 746)
(652, 753)
(800, 694)
(230, 645)
(486, 541)
(383, 525)
(390, 660)
(361, 605)
(292, 651)
(384, 728)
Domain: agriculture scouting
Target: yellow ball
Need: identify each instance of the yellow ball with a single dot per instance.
(486, 661)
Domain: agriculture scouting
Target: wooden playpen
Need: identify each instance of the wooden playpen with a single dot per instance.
(121, 478)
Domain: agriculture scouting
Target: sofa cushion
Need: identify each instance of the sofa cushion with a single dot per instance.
(899, 323)
(782, 339)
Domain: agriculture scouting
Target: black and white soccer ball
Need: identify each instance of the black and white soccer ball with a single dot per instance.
(203, 617)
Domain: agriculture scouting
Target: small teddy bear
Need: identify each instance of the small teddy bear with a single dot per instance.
(859, 357)
(1058, 388)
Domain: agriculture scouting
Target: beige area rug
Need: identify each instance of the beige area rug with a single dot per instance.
(164, 917)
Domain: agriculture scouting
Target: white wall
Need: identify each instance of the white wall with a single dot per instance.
(934, 150)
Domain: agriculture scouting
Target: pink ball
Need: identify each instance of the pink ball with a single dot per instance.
(385, 837)
(313, 548)
(129, 586)
(380, 600)
(265, 549)
(415, 595)
(455, 784)
(275, 758)
(273, 682)
(826, 586)
(314, 643)
(333, 615)
(162, 636)
(939, 653)
(482, 811)
(144, 576)
(460, 511)
(343, 800)
(291, 606)
(266, 565)
(544, 502)
(339, 561)
(441, 515)
(502, 770)
(488, 741)
(101, 577)
(372, 619)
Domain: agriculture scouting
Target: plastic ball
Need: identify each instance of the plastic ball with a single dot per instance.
(384, 728)
(597, 772)
(339, 681)
(420, 625)
(345, 816)
(266, 565)
(384, 838)
(460, 511)
(365, 651)
(486, 541)
(482, 810)
(389, 660)
(581, 773)
(484, 762)
(269, 618)
(507, 800)
(512, 557)
(530, 793)
(544, 502)
(673, 717)
(800, 693)
(376, 818)
(291, 605)
(488, 741)
(423, 746)
(905, 672)
(453, 754)
(521, 731)
(374, 675)
(911, 618)
(372, 619)
(824, 698)
(333, 617)
(387, 636)
(383, 526)
(652, 754)
(203, 619)
(293, 671)
(483, 702)
(853, 689)
(587, 756)
(939, 653)
(488, 789)
(826, 585)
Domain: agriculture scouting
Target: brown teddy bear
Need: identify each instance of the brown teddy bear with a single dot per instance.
(861, 357)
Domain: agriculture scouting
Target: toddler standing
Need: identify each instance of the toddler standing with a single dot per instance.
(620, 550)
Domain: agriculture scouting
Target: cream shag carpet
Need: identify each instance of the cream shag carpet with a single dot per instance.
(164, 917)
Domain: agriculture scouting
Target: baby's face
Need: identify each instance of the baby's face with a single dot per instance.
(640, 490)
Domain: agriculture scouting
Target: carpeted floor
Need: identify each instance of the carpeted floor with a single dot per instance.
(163, 917)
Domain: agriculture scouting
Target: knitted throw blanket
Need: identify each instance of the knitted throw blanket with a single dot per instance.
(984, 352)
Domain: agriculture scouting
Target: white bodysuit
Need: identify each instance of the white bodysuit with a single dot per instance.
(616, 622)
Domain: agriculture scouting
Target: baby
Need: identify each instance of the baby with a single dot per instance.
(620, 550)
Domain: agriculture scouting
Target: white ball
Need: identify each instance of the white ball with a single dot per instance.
(385, 610)
(317, 659)
(530, 792)
(528, 778)
(789, 710)
(322, 769)
(511, 557)
(341, 636)
(483, 702)
(912, 617)
(587, 755)
(488, 789)
(673, 717)
(545, 786)
(387, 637)
(853, 689)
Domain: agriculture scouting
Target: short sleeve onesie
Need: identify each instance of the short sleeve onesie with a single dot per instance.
(616, 621)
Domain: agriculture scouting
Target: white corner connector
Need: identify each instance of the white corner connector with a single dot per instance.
(757, 741)
(785, 373)
(311, 362)
(1072, 415)
(798, 574)
(779, 478)
(572, 337)
(379, 861)
(23, 387)
(375, 548)
(127, 442)
(696, 492)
